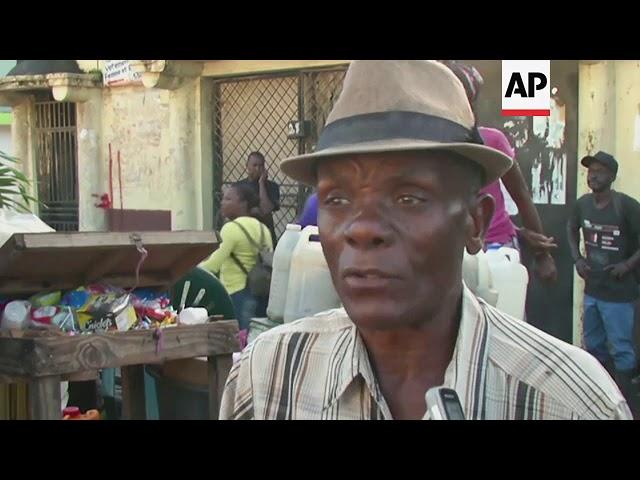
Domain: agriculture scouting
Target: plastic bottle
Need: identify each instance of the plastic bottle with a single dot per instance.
(16, 315)
(477, 275)
(311, 289)
(280, 273)
(193, 316)
(510, 279)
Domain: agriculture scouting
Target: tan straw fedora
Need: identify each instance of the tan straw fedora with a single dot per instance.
(399, 105)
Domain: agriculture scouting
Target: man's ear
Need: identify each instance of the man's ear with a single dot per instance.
(478, 221)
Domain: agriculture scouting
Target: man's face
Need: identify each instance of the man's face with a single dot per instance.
(599, 177)
(255, 167)
(393, 228)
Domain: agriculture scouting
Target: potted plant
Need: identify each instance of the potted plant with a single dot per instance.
(14, 186)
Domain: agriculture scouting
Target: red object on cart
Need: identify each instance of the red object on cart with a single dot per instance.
(73, 413)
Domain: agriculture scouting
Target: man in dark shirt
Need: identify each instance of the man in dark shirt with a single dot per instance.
(268, 192)
(610, 223)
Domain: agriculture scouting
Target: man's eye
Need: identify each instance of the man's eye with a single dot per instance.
(409, 200)
(335, 201)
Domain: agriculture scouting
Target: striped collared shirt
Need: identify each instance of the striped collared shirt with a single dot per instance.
(501, 368)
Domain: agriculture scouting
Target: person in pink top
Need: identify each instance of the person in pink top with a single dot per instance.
(502, 231)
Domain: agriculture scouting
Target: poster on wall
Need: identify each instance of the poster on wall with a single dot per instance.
(117, 73)
(543, 140)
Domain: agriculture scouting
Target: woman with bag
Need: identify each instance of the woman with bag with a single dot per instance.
(245, 241)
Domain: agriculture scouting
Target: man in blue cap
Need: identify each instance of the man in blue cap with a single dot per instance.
(610, 223)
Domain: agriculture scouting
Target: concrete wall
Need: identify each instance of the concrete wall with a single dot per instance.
(88, 65)
(156, 133)
(609, 120)
(5, 139)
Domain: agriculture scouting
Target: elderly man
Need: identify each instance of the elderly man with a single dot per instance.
(398, 169)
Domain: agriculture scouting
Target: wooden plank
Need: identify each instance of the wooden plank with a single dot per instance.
(104, 265)
(133, 399)
(16, 356)
(15, 286)
(31, 263)
(214, 401)
(60, 240)
(18, 286)
(10, 258)
(219, 367)
(70, 377)
(60, 355)
(81, 376)
(45, 402)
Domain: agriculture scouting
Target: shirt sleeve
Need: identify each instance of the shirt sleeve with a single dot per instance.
(237, 398)
(229, 237)
(632, 211)
(267, 237)
(273, 190)
(575, 215)
(622, 412)
(310, 213)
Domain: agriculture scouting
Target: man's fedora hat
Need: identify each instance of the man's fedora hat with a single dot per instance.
(399, 105)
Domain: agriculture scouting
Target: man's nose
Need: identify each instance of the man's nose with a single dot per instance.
(368, 229)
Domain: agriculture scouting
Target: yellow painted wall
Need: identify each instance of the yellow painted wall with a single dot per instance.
(155, 132)
(609, 107)
(88, 65)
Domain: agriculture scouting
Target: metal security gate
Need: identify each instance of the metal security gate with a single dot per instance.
(56, 163)
(260, 114)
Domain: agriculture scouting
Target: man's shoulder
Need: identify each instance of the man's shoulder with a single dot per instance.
(326, 324)
(561, 371)
(248, 182)
(584, 198)
(273, 185)
(316, 337)
(583, 205)
(628, 200)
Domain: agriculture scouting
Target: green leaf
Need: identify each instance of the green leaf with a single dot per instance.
(15, 184)
(20, 176)
(9, 202)
(9, 158)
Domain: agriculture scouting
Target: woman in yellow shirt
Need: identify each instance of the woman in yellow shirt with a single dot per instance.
(237, 203)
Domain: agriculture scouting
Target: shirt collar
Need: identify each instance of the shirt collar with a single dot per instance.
(467, 363)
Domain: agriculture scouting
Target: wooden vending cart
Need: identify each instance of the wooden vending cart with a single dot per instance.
(33, 263)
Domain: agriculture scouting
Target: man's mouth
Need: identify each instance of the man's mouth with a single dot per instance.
(367, 278)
